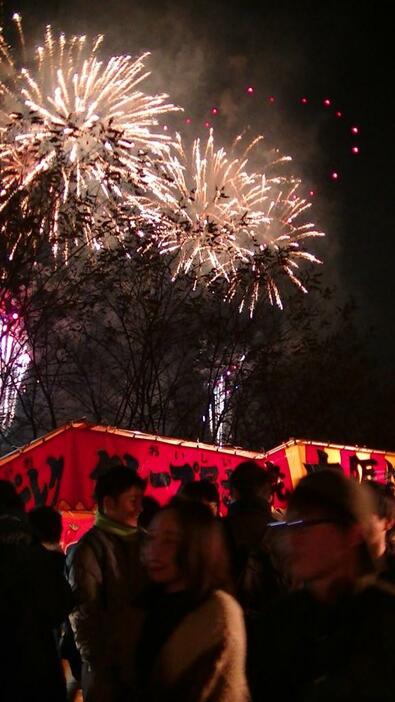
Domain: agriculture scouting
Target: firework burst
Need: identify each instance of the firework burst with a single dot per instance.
(78, 139)
(232, 226)
(277, 234)
(202, 204)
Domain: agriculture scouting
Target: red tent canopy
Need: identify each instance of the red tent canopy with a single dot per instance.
(60, 468)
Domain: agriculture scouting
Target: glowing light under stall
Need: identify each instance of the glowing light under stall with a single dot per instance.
(14, 360)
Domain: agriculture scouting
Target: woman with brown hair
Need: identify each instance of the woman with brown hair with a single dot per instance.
(192, 641)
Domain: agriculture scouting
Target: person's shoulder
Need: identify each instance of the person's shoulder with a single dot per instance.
(92, 540)
(223, 607)
(216, 620)
(223, 599)
(92, 533)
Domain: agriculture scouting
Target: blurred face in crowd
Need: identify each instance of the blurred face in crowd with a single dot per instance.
(378, 527)
(125, 508)
(161, 551)
(322, 553)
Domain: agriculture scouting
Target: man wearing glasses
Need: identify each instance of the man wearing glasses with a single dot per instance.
(331, 638)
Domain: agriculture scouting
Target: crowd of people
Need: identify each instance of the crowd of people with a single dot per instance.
(177, 603)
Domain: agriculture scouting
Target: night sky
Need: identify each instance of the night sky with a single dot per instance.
(208, 54)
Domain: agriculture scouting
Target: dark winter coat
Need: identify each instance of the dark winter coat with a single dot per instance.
(35, 598)
(106, 576)
(245, 527)
(255, 578)
(305, 651)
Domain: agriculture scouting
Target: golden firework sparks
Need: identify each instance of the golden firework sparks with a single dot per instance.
(227, 223)
(78, 131)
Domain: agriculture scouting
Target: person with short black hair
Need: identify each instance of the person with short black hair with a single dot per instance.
(250, 511)
(191, 645)
(250, 481)
(46, 525)
(204, 491)
(245, 526)
(113, 483)
(106, 575)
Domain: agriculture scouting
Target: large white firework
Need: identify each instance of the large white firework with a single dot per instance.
(79, 140)
(202, 203)
(277, 234)
(231, 225)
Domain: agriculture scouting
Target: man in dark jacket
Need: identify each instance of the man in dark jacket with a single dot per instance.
(250, 511)
(35, 598)
(256, 579)
(46, 525)
(332, 638)
(106, 576)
